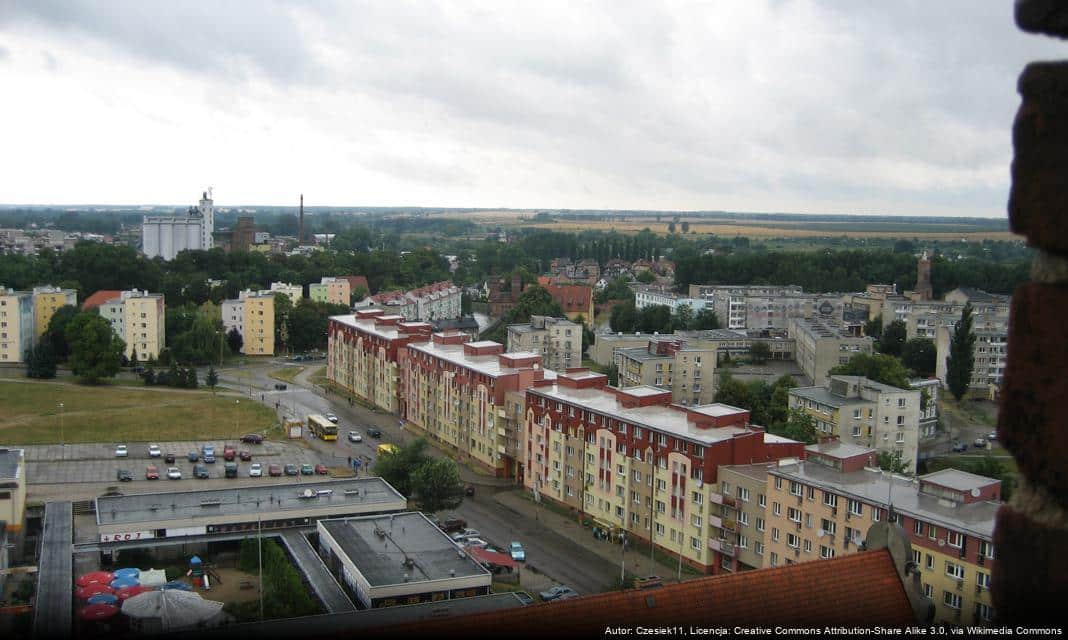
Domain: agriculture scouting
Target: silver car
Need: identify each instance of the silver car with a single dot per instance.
(255, 470)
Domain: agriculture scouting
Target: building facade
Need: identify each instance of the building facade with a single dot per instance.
(16, 324)
(138, 317)
(295, 292)
(671, 363)
(330, 290)
(558, 340)
(821, 345)
(865, 413)
(166, 236)
(252, 314)
(652, 296)
(823, 506)
(638, 465)
(438, 301)
(48, 299)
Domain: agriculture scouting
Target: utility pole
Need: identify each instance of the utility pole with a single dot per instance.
(237, 418)
(62, 442)
(259, 550)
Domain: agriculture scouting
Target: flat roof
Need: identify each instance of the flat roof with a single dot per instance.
(874, 486)
(249, 500)
(839, 449)
(367, 325)
(489, 365)
(718, 410)
(758, 472)
(958, 480)
(641, 353)
(9, 463)
(404, 536)
(823, 396)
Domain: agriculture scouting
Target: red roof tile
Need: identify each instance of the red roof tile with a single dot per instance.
(860, 589)
(99, 298)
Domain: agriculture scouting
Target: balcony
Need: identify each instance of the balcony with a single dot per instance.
(723, 547)
(715, 521)
(730, 525)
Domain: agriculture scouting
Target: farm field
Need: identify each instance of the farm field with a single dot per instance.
(30, 414)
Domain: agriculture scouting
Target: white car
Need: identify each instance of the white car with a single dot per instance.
(154, 451)
(477, 543)
(331, 417)
(255, 470)
(121, 451)
(354, 436)
(174, 473)
(465, 534)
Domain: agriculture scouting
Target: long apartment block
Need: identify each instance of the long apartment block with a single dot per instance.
(637, 464)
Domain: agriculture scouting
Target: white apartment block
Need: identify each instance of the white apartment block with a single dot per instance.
(295, 292)
(653, 296)
(16, 324)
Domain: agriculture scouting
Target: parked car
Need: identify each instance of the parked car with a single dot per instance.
(200, 471)
(992, 436)
(192, 456)
(124, 475)
(517, 552)
(245, 455)
(452, 524)
(320, 469)
(477, 543)
(291, 470)
(252, 438)
(307, 469)
(154, 451)
(354, 436)
(151, 472)
(524, 597)
(174, 473)
(648, 582)
(255, 470)
(373, 432)
(466, 533)
(229, 453)
(274, 470)
(208, 453)
(980, 443)
(959, 447)
(331, 417)
(121, 451)
(230, 470)
(557, 592)
(469, 491)
(168, 458)
(280, 386)
(567, 595)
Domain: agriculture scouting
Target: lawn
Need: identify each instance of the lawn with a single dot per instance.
(30, 414)
(318, 376)
(286, 374)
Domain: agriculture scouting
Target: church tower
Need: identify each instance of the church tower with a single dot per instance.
(924, 291)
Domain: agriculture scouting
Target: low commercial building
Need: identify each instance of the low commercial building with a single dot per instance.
(399, 559)
(16, 324)
(138, 317)
(252, 314)
(821, 345)
(330, 291)
(639, 465)
(822, 507)
(866, 413)
(558, 340)
(46, 301)
(178, 514)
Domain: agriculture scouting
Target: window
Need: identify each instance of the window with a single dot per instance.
(917, 557)
(930, 562)
(695, 544)
(986, 549)
(774, 559)
(743, 518)
(876, 514)
(774, 534)
(758, 548)
(954, 570)
(743, 494)
(828, 526)
(830, 499)
(695, 520)
(826, 552)
(954, 539)
(901, 402)
(917, 527)
(776, 509)
(808, 546)
(812, 493)
(984, 611)
(726, 488)
(762, 500)
(982, 580)
(778, 483)
(951, 600)
(932, 532)
(795, 488)
(856, 507)
(794, 515)
(697, 498)
(760, 524)
(793, 541)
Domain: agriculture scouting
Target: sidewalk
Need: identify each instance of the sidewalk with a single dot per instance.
(637, 563)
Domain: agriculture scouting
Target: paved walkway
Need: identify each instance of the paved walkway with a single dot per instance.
(635, 563)
(319, 577)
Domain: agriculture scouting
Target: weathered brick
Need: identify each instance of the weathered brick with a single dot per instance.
(1031, 577)
(1038, 201)
(1033, 418)
(1043, 16)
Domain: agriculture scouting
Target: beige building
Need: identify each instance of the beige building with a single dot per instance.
(604, 344)
(558, 340)
(670, 363)
(822, 507)
(331, 291)
(865, 413)
(295, 292)
(16, 324)
(138, 317)
(12, 489)
(46, 300)
(252, 314)
(742, 515)
(821, 345)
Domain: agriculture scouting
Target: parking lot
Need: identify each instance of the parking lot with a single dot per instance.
(80, 463)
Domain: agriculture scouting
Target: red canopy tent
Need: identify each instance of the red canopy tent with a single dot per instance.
(103, 577)
(98, 612)
(492, 559)
(89, 590)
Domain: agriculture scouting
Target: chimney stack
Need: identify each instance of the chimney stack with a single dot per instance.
(300, 234)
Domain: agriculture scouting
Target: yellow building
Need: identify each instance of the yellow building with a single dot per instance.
(258, 334)
(13, 495)
(823, 507)
(16, 324)
(330, 290)
(46, 300)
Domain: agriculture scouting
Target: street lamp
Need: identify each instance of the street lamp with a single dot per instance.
(61, 439)
(237, 418)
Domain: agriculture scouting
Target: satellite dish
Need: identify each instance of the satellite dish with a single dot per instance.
(976, 492)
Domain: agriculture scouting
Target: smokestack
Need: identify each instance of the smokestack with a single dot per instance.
(300, 235)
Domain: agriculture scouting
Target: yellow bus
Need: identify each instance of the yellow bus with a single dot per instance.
(387, 448)
(322, 428)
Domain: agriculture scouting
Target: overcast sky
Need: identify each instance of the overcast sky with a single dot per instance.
(840, 107)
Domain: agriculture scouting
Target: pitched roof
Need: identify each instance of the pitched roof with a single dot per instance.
(357, 281)
(99, 298)
(860, 589)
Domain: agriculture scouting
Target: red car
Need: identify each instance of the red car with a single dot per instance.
(229, 453)
(245, 455)
(321, 469)
(274, 470)
(151, 472)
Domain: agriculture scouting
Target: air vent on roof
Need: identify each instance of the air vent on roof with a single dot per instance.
(352, 492)
(324, 492)
(215, 502)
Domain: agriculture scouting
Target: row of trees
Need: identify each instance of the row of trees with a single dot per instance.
(628, 318)
(434, 483)
(284, 593)
(768, 405)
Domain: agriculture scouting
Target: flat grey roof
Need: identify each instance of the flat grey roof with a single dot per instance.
(838, 449)
(641, 353)
(958, 480)
(9, 463)
(823, 396)
(873, 487)
(407, 536)
(757, 472)
(211, 503)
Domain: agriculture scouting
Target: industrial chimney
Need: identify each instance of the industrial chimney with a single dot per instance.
(300, 233)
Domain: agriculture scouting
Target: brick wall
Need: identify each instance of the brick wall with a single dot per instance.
(1031, 537)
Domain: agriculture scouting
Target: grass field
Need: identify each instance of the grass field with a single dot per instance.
(29, 414)
(286, 374)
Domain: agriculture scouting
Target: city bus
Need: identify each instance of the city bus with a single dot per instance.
(322, 428)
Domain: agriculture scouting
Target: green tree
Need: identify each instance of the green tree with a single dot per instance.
(96, 352)
(892, 462)
(57, 331)
(779, 409)
(397, 468)
(41, 360)
(800, 426)
(283, 308)
(961, 359)
(733, 392)
(760, 352)
(436, 485)
(671, 227)
(878, 367)
(234, 340)
(613, 375)
(874, 327)
(212, 378)
(645, 277)
(685, 227)
(705, 319)
(618, 289)
(624, 317)
(920, 356)
(892, 341)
